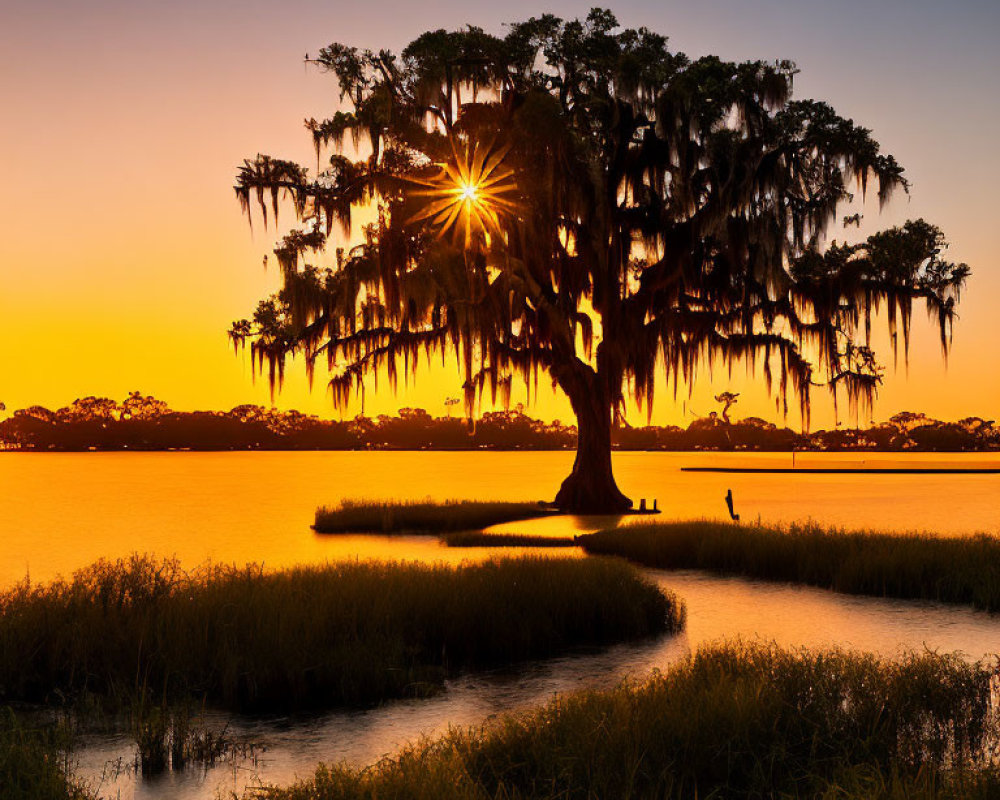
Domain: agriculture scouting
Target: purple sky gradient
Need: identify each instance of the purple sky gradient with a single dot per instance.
(124, 257)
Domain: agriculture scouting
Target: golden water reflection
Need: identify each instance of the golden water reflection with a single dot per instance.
(59, 512)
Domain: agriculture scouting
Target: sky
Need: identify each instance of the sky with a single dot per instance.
(124, 256)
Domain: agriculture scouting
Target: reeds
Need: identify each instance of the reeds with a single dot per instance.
(33, 761)
(918, 566)
(341, 634)
(368, 516)
(168, 738)
(734, 720)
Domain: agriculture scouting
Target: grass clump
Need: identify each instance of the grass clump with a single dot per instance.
(480, 539)
(320, 636)
(168, 738)
(368, 516)
(33, 761)
(916, 566)
(734, 720)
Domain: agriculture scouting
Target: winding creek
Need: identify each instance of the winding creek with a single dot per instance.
(61, 511)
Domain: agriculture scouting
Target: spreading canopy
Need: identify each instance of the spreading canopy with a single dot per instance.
(577, 199)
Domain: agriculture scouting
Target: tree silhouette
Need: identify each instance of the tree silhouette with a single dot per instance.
(574, 198)
(728, 400)
(141, 407)
(106, 425)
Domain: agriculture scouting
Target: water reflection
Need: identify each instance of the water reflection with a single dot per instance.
(59, 512)
(717, 608)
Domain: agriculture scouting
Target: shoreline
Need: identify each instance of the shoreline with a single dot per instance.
(852, 470)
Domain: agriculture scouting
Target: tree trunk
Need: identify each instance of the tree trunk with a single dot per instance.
(590, 487)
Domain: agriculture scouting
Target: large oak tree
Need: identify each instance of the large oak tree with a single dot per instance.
(577, 201)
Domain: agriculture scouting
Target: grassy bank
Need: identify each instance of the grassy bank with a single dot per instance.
(965, 570)
(33, 761)
(732, 721)
(310, 637)
(367, 516)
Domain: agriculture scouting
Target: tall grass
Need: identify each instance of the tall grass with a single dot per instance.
(963, 570)
(309, 637)
(734, 720)
(33, 761)
(168, 737)
(368, 516)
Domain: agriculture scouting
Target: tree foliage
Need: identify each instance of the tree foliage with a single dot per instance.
(86, 425)
(575, 198)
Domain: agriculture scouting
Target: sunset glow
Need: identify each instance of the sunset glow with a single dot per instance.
(447, 401)
(139, 115)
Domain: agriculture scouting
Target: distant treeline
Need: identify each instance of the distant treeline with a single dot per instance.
(145, 423)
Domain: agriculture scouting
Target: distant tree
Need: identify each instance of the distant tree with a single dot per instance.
(39, 413)
(577, 199)
(979, 426)
(100, 409)
(248, 413)
(728, 400)
(142, 407)
(908, 420)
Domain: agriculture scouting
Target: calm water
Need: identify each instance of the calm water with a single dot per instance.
(61, 511)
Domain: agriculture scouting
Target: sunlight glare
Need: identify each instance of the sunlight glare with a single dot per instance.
(469, 193)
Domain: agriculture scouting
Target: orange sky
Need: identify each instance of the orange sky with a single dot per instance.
(123, 255)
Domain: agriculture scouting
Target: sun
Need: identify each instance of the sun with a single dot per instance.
(470, 193)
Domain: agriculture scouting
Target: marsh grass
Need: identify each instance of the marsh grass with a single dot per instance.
(368, 516)
(734, 720)
(170, 738)
(917, 566)
(480, 539)
(33, 760)
(346, 634)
